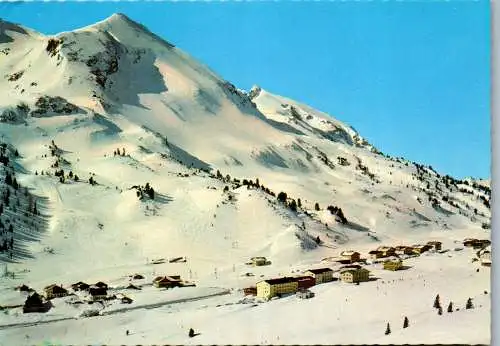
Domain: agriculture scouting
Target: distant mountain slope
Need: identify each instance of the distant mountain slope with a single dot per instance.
(116, 103)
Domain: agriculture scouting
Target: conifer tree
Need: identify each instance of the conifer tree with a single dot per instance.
(469, 304)
(406, 323)
(388, 329)
(450, 307)
(437, 302)
(316, 206)
(282, 196)
(8, 179)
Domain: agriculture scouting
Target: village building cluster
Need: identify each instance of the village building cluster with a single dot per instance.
(84, 292)
(391, 258)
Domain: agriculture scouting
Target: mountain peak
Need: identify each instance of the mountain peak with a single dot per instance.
(125, 29)
(121, 18)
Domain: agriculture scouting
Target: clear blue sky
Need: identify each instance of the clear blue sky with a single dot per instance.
(411, 77)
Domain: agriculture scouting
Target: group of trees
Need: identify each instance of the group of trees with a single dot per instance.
(143, 191)
(117, 152)
(437, 305)
(62, 176)
(339, 214)
(11, 180)
(7, 244)
(406, 324)
(364, 170)
(246, 182)
(342, 161)
(293, 205)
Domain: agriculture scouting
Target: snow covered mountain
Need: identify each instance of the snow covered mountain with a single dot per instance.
(131, 151)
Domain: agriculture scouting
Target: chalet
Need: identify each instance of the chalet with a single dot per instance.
(55, 291)
(419, 249)
(304, 282)
(35, 303)
(375, 254)
(387, 251)
(352, 275)
(258, 261)
(250, 291)
(98, 293)
(436, 245)
(276, 287)
(167, 281)
(480, 244)
(350, 256)
(403, 250)
(80, 286)
(321, 274)
(101, 284)
(393, 264)
(469, 242)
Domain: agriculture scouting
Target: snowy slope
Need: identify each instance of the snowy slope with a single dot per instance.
(71, 101)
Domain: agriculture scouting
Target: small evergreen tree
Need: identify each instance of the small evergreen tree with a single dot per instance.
(151, 193)
(293, 205)
(316, 206)
(123, 151)
(8, 179)
(437, 302)
(191, 332)
(299, 203)
(450, 307)
(76, 178)
(91, 181)
(388, 329)
(282, 196)
(469, 304)
(406, 323)
(440, 311)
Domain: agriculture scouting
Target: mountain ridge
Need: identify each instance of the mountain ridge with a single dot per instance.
(155, 115)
